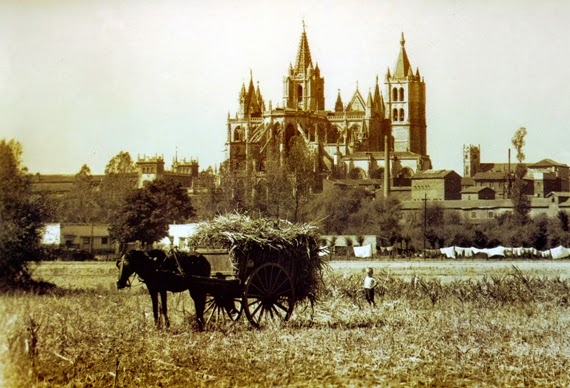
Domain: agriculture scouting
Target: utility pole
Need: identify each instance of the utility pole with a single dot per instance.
(425, 222)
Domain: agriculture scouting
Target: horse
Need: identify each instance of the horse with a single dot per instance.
(162, 273)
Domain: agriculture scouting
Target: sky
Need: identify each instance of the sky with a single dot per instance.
(81, 81)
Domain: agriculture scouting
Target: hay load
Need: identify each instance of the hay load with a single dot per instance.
(296, 246)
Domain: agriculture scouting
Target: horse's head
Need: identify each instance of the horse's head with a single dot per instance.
(126, 270)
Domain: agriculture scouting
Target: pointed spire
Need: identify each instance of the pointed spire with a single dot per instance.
(369, 99)
(304, 54)
(377, 94)
(258, 92)
(338, 106)
(403, 64)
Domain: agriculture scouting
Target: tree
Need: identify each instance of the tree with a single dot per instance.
(300, 167)
(22, 216)
(147, 212)
(521, 203)
(276, 198)
(122, 163)
(81, 204)
(334, 208)
(380, 218)
(119, 181)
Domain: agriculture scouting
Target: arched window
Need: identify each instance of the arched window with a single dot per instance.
(299, 95)
(395, 115)
(395, 94)
(238, 134)
(401, 94)
(401, 115)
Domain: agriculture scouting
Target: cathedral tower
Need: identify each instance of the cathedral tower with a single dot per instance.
(406, 105)
(303, 87)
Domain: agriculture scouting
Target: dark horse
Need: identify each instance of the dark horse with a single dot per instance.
(162, 273)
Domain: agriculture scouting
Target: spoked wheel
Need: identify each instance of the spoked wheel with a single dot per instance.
(222, 309)
(268, 295)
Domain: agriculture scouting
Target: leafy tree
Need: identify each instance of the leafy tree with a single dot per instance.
(558, 230)
(122, 163)
(334, 208)
(380, 218)
(215, 200)
(147, 212)
(521, 203)
(300, 167)
(276, 199)
(81, 204)
(564, 220)
(22, 216)
(119, 181)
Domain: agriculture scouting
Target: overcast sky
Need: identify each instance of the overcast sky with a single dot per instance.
(81, 81)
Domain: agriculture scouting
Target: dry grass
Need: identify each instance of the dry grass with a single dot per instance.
(508, 331)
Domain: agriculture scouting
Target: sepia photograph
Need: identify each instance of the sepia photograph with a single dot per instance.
(291, 194)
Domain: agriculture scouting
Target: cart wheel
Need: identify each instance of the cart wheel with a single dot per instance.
(268, 295)
(222, 309)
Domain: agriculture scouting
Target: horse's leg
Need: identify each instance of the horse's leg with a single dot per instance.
(199, 298)
(163, 296)
(154, 298)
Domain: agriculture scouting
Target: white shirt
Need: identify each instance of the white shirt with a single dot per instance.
(369, 282)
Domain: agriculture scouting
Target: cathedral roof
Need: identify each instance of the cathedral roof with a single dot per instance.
(304, 54)
(357, 102)
(403, 66)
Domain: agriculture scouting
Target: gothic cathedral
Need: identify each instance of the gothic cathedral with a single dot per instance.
(348, 142)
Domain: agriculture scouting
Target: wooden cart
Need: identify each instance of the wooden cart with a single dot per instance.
(261, 285)
(264, 268)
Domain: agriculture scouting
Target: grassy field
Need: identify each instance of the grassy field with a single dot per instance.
(481, 326)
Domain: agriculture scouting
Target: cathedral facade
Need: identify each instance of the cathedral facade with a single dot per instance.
(362, 139)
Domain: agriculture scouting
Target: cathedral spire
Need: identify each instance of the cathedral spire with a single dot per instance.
(403, 64)
(338, 106)
(304, 54)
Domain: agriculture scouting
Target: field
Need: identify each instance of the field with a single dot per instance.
(437, 323)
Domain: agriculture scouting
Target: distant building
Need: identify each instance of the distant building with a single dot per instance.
(477, 211)
(93, 238)
(148, 169)
(477, 193)
(436, 185)
(152, 168)
(56, 184)
(541, 177)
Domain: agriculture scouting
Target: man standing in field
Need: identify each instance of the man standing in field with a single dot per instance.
(369, 286)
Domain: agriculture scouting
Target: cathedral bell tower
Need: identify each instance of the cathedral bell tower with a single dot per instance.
(406, 105)
(303, 87)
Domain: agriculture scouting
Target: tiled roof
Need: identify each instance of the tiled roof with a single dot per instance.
(475, 189)
(432, 174)
(476, 204)
(85, 229)
(489, 176)
(547, 163)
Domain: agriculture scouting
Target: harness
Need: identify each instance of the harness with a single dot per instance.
(178, 263)
(121, 266)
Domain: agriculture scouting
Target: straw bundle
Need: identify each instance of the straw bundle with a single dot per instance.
(262, 238)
